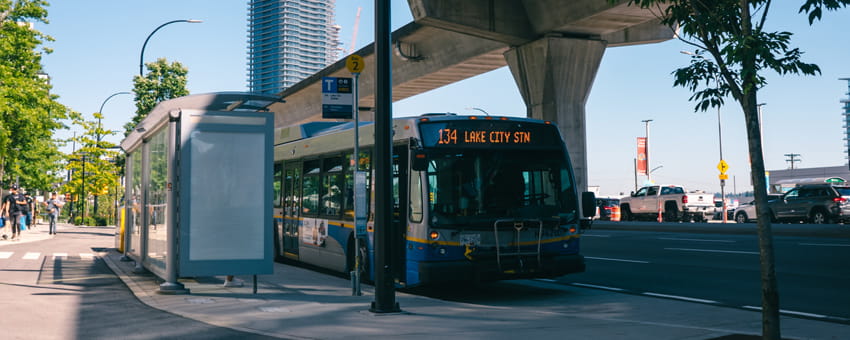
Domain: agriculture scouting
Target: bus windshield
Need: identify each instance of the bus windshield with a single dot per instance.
(475, 187)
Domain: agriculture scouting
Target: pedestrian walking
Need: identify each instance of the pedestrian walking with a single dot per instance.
(13, 206)
(31, 211)
(53, 205)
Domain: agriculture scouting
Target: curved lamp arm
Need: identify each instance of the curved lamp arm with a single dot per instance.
(142, 55)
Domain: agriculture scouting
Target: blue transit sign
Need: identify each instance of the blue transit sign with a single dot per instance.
(337, 98)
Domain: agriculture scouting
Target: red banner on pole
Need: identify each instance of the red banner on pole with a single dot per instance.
(641, 155)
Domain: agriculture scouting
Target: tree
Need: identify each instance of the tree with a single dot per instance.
(164, 81)
(732, 49)
(94, 173)
(29, 114)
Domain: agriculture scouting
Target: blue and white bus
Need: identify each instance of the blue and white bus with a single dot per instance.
(474, 198)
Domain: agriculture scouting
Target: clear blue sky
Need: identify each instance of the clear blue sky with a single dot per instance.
(96, 53)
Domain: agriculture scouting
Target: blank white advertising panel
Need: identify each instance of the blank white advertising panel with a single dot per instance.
(226, 187)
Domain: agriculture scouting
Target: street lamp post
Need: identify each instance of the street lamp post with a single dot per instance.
(100, 128)
(719, 135)
(142, 55)
(478, 109)
(646, 152)
(82, 197)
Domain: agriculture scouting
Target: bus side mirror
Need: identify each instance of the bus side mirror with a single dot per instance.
(588, 204)
(419, 160)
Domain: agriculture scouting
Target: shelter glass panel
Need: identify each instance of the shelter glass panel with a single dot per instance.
(155, 205)
(134, 220)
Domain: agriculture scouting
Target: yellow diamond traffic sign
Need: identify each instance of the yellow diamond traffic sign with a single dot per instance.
(723, 176)
(722, 166)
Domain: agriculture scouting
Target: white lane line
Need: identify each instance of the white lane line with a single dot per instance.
(683, 298)
(32, 256)
(588, 235)
(546, 280)
(826, 244)
(88, 256)
(610, 259)
(5, 254)
(715, 251)
(598, 287)
(694, 239)
(57, 255)
(791, 312)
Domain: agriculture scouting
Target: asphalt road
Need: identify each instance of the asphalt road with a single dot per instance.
(59, 288)
(719, 268)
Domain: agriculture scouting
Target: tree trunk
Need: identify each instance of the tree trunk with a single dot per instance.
(749, 100)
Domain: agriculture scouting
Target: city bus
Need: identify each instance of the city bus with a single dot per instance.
(474, 198)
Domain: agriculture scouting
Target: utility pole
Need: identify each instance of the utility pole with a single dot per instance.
(792, 157)
(648, 174)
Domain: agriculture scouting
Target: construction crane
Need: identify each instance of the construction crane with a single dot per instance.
(354, 31)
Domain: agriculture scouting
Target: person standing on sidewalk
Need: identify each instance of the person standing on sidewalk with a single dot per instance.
(53, 205)
(13, 207)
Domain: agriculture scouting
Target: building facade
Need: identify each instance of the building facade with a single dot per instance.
(846, 112)
(289, 40)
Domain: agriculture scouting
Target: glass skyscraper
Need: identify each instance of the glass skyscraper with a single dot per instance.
(289, 40)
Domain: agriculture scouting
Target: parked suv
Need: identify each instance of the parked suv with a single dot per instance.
(815, 203)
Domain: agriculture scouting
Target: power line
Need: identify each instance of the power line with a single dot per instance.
(792, 157)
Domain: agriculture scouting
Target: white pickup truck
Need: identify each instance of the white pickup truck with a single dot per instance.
(672, 201)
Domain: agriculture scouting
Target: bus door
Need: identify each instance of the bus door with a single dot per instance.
(398, 240)
(291, 209)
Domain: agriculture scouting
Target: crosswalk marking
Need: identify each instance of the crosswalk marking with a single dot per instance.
(37, 255)
(32, 256)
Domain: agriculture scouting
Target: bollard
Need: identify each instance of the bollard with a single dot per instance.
(615, 214)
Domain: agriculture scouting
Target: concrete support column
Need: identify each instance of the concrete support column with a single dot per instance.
(554, 76)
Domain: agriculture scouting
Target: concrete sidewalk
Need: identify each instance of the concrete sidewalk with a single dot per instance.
(297, 303)
(38, 232)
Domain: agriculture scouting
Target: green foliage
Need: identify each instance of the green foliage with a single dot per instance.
(29, 114)
(92, 167)
(163, 81)
(731, 47)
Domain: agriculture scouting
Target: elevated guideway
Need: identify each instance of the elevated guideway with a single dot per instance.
(552, 47)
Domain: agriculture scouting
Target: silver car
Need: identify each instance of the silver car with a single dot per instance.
(746, 212)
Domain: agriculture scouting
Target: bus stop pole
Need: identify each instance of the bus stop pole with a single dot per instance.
(171, 285)
(355, 274)
(384, 285)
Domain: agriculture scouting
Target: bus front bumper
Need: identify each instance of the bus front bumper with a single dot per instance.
(489, 269)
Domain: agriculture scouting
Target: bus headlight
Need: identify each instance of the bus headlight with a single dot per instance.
(434, 235)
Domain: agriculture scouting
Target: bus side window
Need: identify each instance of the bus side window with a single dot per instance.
(278, 184)
(415, 197)
(310, 191)
(331, 193)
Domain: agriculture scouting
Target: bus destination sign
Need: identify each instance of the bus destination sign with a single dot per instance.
(488, 134)
(450, 137)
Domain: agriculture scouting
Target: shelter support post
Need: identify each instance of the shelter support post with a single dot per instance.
(554, 76)
(171, 285)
